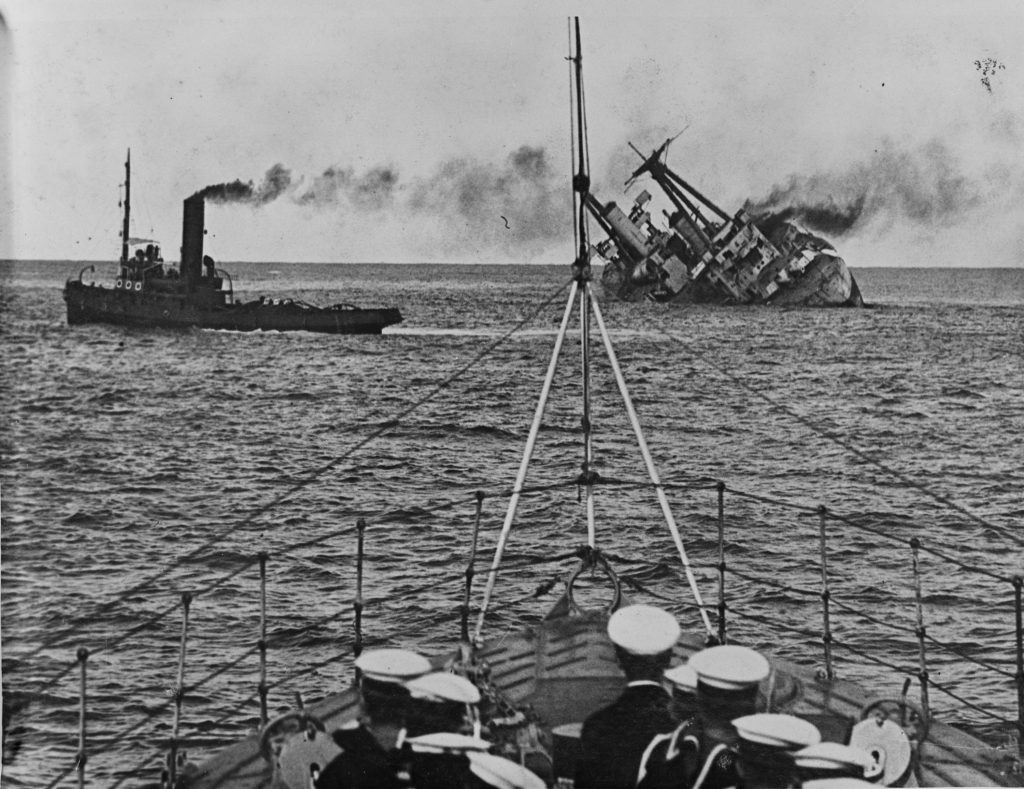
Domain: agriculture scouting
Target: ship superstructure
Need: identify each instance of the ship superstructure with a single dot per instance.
(703, 255)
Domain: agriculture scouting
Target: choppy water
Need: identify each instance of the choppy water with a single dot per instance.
(140, 464)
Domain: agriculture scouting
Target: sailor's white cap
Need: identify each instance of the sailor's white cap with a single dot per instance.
(833, 756)
(683, 677)
(447, 742)
(777, 730)
(503, 773)
(836, 783)
(643, 629)
(444, 686)
(730, 667)
(392, 665)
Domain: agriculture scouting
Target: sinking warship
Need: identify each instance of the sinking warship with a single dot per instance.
(704, 256)
(148, 292)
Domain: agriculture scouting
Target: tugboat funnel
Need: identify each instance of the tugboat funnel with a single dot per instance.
(192, 229)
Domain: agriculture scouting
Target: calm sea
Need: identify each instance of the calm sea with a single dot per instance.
(138, 465)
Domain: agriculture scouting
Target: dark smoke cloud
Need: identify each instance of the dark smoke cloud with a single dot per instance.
(370, 192)
(521, 201)
(275, 183)
(464, 206)
(924, 186)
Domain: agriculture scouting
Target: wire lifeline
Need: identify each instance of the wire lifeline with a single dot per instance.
(649, 461)
(312, 476)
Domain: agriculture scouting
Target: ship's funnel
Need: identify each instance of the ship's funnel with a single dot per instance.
(192, 229)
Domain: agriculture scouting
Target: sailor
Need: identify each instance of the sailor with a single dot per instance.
(369, 744)
(701, 753)
(613, 739)
(441, 760)
(835, 760)
(767, 743)
(682, 680)
(444, 729)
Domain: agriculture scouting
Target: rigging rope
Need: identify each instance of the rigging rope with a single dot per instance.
(311, 476)
(840, 441)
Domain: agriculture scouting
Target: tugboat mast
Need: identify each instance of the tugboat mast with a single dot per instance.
(127, 208)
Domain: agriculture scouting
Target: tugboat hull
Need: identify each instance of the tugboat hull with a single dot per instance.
(97, 304)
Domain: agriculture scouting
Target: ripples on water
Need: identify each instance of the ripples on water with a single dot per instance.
(140, 464)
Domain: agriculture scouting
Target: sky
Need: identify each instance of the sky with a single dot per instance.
(330, 131)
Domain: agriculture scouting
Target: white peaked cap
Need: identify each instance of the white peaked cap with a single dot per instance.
(836, 783)
(833, 756)
(643, 629)
(730, 667)
(447, 742)
(444, 686)
(503, 773)
(780, 731)
(392, 665)
(683, 677)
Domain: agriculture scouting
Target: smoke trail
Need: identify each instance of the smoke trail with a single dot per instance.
(924, 186)
(471, 198)
(370, 192)
(276, 181)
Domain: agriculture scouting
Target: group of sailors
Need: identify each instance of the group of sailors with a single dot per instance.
(692, 726)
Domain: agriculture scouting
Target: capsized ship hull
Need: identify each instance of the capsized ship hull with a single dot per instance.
(704, 256)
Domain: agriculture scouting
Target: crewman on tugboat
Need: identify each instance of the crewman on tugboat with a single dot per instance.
(613, 739)
(702, 753)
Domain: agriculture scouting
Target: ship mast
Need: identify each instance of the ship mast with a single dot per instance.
(582, 275)
(127, 207)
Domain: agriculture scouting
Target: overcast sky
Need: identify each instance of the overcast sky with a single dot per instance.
(418, 131)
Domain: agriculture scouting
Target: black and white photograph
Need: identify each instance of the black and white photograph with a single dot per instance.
(455, 395)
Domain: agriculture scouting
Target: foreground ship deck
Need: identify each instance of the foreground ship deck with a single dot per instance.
(566, 669)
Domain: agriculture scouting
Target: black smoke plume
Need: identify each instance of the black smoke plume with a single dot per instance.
(276, 181)
(371, 192)
(924, 186)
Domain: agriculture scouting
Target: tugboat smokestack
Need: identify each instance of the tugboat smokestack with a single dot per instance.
(192, 229)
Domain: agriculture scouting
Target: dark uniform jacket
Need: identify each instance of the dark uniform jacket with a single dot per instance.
(687, 759)
(613, 739)
(363, 763)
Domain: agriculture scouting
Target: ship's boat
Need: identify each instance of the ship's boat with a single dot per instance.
(702, 255)
(538, 683)
(148, 292)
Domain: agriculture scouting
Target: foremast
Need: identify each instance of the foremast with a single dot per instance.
(582, 285)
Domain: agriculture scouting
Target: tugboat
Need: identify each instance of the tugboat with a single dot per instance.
(704, 256)
(149, 293)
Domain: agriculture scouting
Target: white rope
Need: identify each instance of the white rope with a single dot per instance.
(648, 460)
(524, 465)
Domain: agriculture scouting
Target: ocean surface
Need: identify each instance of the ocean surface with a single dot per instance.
(138, 465)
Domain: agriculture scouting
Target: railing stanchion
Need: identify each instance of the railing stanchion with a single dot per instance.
(469, 569)
(83, 655)
(262, 643)
(922, 674)
(826, 595)
(179, 693)
(357, 604)
(721, 563)
(1018, 582)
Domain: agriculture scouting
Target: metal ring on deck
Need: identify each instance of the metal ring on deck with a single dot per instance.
(118, 285)
(138, 286)
(590, 560)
